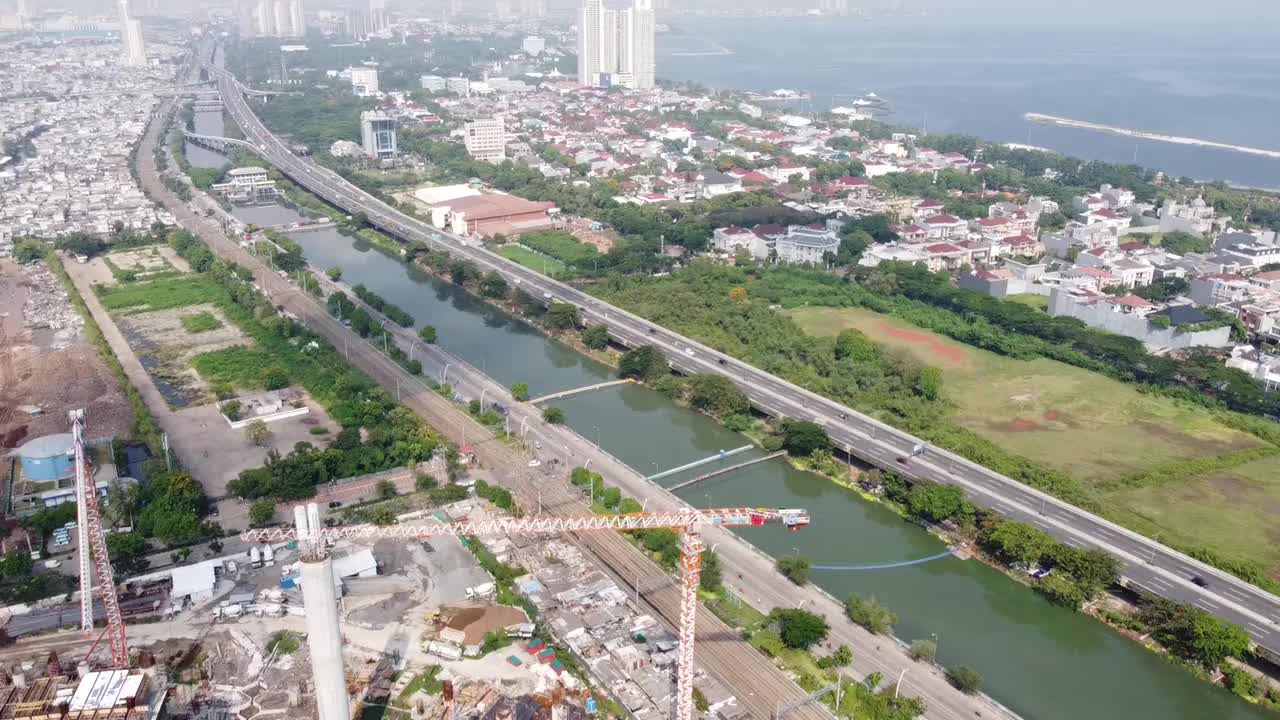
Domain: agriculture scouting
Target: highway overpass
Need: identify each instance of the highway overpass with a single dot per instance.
(1144, 562)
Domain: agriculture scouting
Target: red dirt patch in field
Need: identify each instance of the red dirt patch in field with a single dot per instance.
(1022, 425)
(951, 354)
(1051, 415)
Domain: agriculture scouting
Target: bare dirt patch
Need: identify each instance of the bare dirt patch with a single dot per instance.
(45, 361)
(945, 351)
(165, 349)
(142, 261)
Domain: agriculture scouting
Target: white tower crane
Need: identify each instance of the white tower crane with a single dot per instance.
(93, 555)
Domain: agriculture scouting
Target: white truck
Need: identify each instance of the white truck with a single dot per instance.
(481, 591)
(449, 651)
(268, 555)
(255, 556)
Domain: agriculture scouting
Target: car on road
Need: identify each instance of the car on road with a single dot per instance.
(535, 463)
(335, 504)
(1199, 581)
(902, 460)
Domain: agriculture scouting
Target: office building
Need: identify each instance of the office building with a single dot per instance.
(378, 134)
(636, 30)
(616, 48)
(24, 14)
(279, 18)
(533, 8)
(358, 24)
(377, 15)
(534, 45)
(458, 86)
(135, 52)
(364, 81)
(502, 8)
(432, 83)
(486, 139)
(297, 20)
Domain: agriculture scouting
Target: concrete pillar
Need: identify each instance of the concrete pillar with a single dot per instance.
(325, 639)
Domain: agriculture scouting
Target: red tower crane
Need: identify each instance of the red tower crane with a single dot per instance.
(94, 559)
(687, 522)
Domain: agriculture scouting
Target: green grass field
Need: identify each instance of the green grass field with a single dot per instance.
(1040, 302)
(1235, 511)
(1091, 426)
(538, 263)
(201, 322)
(161, 294)
(1099, 430)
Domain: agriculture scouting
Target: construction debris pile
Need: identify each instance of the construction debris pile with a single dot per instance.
(47, 308)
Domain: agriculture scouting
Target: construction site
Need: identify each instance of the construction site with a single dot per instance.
(463, 611)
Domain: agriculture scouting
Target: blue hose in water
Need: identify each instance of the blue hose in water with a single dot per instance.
(885, 566)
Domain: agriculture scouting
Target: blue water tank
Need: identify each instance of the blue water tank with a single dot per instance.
(51, 457)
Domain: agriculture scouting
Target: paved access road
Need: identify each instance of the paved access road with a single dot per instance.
(1145, 563)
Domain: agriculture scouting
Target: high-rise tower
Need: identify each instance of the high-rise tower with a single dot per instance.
(135, 52)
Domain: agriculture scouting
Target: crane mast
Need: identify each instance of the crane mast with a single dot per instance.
(314, 538)
(94, 559)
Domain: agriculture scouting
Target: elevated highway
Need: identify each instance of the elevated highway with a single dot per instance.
(1144, 563)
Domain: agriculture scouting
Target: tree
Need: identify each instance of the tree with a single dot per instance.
(645, 363)
(870, 614)
(423, 481)
(275, 377)
(856, 347)
(611, 497)
(26, 251)
(802, 438)
(930, 383)
(262, 511)
(738, 294)
(937, 503)
(1210, 640)
(334, 273)
(596, 337)
(128, 553)
(562, 316)
(385, 489)
(257, 433)
(718, 395)
(428, 334)
(799, 629)
(1093, 570)
(795, 568)
(842, 656)
(965, 679)
(493, 285)
(520, 391)
(553, 416)
(712, 577)
(923, 649)
(1015, 541)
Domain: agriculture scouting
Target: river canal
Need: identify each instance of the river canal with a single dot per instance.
(1044, 662)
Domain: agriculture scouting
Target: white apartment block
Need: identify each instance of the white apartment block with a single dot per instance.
(534, 45)
(486, 139)
(364, 81)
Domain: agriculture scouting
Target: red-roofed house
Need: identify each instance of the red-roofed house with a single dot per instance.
(910, 233)
(945, 256)
(995, 228)
(927, 208)
(1129, 305)
(1023, 246)
(944, 227)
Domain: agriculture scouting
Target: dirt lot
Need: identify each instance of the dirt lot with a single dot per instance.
(215, 453)
(46, 361)
(165, 348)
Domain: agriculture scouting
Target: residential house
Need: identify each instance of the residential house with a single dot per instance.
(806, 244)
(945, 227)
(926, 209)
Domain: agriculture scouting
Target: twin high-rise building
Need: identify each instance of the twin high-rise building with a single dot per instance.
(135, 51)
(271, 18)
(616, 47)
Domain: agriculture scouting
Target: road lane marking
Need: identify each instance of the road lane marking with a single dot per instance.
(1205, 604)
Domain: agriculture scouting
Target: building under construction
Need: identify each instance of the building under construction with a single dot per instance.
(107, 695)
